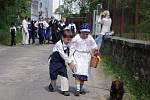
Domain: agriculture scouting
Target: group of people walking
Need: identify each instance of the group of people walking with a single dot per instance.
(46, 29)
(32, 29)
(49, 29)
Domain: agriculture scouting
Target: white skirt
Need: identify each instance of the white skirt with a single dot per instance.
(82, 62)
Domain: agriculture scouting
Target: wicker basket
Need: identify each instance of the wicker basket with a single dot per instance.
(94, 61)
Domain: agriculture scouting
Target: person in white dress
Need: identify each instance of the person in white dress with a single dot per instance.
(25, 33)
(83, 45)
(106, 24)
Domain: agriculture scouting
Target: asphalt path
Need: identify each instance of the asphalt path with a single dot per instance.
(24, 75)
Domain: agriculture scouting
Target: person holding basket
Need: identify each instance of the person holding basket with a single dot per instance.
(84, 48)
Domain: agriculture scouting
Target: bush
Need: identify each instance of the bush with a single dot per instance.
(5, 37)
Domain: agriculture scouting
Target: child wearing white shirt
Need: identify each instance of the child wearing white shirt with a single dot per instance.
(13, 34)
(58, 62)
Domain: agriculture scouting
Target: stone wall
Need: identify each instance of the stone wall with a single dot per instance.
(134, 54)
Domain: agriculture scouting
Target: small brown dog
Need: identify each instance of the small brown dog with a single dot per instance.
(117, 90)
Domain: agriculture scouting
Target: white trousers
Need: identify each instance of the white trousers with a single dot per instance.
(25, 37)
(64, 83)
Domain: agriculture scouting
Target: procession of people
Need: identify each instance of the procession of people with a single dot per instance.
(47, 30)
(73, 47)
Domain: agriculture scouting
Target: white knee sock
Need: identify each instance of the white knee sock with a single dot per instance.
(78, 87)
(64, 84)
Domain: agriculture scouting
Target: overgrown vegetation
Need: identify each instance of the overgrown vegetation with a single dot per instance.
(5, 37)
(77, 7)
(135, 87)
(12, 11)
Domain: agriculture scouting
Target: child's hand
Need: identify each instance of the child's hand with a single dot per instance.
(72, 66)
(96, 52)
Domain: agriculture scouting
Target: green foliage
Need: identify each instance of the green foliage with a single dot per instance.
(4, 37)
(65, 12)
(92, 4)
(10, 10)
(66, 9)
(145, 10)
(85, 5)
(135, 87)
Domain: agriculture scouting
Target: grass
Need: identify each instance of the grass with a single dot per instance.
(135, 87)
(5, 37)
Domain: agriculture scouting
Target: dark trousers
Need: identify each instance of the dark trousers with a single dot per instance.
(13, 39)
(57, 66)
(54, 36)
(31, 36)
(41, 33)
(41, 39)
(58, 36)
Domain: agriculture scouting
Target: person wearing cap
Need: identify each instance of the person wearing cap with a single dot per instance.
(84, 45)
(58, 62)
(105, 21)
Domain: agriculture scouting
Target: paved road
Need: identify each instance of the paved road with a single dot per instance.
(24, 76)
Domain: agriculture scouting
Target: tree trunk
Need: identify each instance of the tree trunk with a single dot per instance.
(113, 15)
(137, 11)
(122, 22)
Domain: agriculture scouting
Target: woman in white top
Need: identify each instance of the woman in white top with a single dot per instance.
(106, 24)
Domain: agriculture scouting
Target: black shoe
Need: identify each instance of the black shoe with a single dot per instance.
(77, 93)
(50, 87)
(66, 93)
(82, 92)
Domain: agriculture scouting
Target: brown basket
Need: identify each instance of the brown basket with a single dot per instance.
(94, 61)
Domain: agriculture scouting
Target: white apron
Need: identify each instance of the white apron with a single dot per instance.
(82, 54)
(82, 62)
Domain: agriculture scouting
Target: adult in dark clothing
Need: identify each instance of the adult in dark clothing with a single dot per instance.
(33, 31)
(54, 28)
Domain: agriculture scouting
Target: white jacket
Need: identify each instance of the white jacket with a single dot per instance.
(106, 24)
(25, 26)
